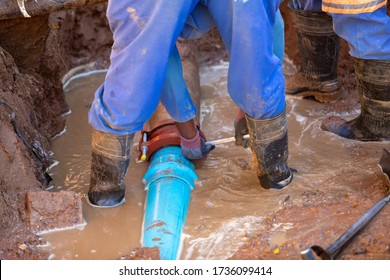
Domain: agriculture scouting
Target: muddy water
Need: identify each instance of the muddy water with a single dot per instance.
(226, 205)
(109, 233)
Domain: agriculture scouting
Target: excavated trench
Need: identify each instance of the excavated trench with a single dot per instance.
(229, 216)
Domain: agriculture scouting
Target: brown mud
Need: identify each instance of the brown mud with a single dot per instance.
(36, 53)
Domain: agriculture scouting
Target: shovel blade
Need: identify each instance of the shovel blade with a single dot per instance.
(315, 252)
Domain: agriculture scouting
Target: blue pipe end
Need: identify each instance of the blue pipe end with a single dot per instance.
(168, 182)
(278, 33)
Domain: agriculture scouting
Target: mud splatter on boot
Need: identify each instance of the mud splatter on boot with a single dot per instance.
(269, 143)
(373, 123)
(319, 47)
(110, 160)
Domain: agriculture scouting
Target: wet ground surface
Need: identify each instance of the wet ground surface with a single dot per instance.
(229, 215)
(316, 213)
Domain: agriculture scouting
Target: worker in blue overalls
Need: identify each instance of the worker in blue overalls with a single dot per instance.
(146, 69)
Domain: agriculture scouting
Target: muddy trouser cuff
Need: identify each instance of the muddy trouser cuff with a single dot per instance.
(269, 143)
(110, 160)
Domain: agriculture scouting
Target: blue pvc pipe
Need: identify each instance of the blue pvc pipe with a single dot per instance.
(169, 181)
(278, 33)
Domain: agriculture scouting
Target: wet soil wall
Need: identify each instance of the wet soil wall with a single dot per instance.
(35, 53)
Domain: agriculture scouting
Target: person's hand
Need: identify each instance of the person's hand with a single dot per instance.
(195, 148)
(241, 129)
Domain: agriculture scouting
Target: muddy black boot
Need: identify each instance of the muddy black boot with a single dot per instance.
(318, 46)
(110, 160)
(268, 140)
(373, 123)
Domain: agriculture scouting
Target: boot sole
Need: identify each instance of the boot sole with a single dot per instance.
(99, 206)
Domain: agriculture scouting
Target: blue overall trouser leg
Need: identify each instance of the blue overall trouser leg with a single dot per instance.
(145, 33)
(144, 48)
(256, 84)
(368, 34)
(255, 79)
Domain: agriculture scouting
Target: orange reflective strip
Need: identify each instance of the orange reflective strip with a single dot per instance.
(351, 2)
(351, 7)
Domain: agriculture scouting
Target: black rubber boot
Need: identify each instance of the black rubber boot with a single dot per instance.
(388, 8)
(373, 123)
(110, 160)
(269, 143)
(319, 47)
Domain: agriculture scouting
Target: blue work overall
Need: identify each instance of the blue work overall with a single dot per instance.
(146, 68)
